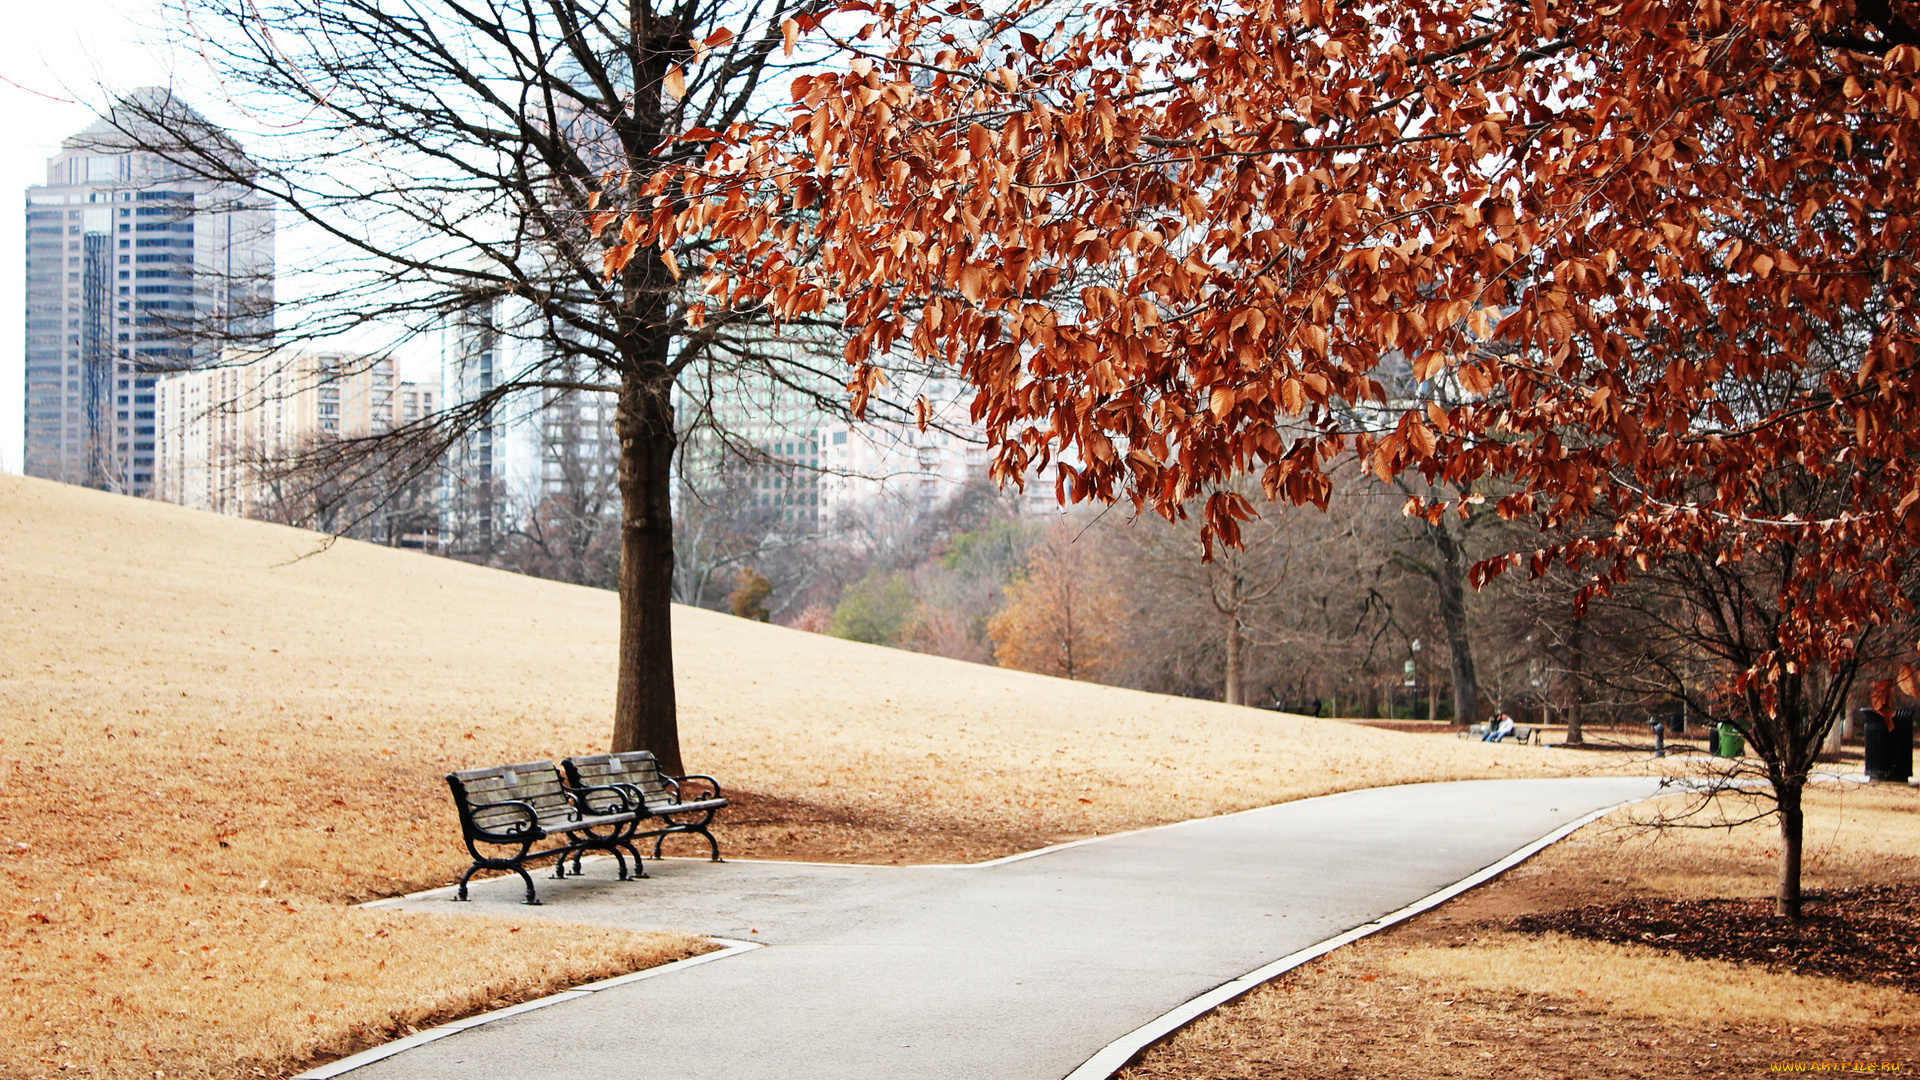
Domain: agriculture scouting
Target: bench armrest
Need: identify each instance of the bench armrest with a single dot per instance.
(516, 831)
(676, 781)
(627, 798)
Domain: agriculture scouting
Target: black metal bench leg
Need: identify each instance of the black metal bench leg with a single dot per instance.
(711, 842)
(639, 868)
(528, 878)
(462, 894)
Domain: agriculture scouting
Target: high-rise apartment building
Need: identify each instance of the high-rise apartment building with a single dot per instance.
(491, 472)
(896, 464)
(753, 436)
(229, 435)
(135, 268)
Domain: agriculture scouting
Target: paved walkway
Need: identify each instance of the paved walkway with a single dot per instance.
(1012, 970)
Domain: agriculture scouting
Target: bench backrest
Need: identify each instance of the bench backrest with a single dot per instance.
(636, 767)
(481, 793)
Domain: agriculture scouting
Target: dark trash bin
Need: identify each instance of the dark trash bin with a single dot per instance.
(1889, 745)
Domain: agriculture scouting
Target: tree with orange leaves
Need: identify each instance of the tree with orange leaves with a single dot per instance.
(1061, 618)
(1650, 259)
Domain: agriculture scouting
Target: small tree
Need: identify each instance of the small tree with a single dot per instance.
(749, 597)
(874, 609)
(1062, 617)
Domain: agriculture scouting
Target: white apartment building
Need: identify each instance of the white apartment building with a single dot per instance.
(225, 432)
(494, 474)
(882, 462)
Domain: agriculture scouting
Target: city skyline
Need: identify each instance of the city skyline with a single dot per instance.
(61, 67)
(58, 86)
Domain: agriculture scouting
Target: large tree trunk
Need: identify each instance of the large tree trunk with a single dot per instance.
(1450, 575)
(644, 710)
(1786, 902)
(644, 716)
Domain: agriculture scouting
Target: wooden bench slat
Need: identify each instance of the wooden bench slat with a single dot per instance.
(525, 791)
(531, 782)
(671, 806)
(469, 775)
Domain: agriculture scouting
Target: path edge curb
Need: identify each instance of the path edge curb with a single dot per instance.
(728, 947)
(1121, 1052)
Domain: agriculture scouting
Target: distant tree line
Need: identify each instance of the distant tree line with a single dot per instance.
(1358, 611)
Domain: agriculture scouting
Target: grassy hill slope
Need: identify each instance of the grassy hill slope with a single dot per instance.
(219, 731)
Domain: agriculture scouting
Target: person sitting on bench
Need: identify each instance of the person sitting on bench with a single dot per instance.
(1501, 728)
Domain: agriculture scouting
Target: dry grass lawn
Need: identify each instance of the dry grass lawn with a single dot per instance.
(218, 735)
(1454, 993)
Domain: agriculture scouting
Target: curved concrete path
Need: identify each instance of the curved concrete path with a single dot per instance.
(1021, 968)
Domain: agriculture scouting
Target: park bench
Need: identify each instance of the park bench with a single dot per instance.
(524, 806)
(659, 796)
(1521, 732)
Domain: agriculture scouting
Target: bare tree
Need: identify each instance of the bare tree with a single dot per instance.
(1251, 596)
(381, 488)
(461, 163)
(1441, 555)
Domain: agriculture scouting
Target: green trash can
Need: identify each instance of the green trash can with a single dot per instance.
(1729, 743)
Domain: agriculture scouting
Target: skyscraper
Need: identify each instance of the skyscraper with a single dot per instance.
(135, 267)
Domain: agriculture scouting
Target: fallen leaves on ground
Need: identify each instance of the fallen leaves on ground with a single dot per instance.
(1868, 934)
